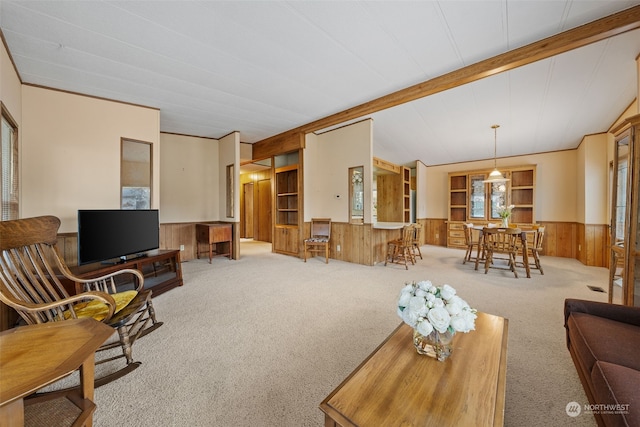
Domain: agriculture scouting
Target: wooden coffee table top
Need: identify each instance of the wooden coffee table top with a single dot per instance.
(397, 386)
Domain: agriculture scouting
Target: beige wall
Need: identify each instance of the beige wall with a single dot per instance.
(229, 152)
(421, 182)
(593, 207)
(71, 152)
(189, 180)
(327, 159)
(555, 184)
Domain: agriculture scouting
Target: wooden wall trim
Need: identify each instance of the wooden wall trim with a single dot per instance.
(284, 143)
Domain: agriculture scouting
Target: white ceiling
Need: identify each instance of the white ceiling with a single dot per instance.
(264, 67)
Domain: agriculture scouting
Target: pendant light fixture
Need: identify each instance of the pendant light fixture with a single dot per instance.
(495, 175)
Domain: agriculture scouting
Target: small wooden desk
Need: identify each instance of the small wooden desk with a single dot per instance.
(35, 356)
(397, 386)
(214, 234)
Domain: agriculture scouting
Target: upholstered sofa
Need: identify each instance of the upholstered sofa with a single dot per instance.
(604, 342)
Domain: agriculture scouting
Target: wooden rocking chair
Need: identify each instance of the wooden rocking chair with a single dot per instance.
(31, 275)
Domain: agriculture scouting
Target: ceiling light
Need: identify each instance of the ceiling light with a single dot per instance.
(495, 175)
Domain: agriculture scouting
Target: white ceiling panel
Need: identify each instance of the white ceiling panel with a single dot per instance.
(263, 67)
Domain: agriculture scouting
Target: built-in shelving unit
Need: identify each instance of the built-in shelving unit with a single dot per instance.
(471, 199)
(286, 238)
(287, 195)
(522, 195)
(458, 197)
(406, 194)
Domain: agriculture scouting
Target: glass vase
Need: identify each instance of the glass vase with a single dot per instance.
(505, 223)
(436, 344)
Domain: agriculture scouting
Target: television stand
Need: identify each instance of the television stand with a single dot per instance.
(161, 269)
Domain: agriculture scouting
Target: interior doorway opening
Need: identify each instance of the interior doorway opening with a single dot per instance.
(256, 204)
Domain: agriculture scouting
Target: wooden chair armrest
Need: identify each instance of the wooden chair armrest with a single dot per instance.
(103, 283)
(29, 307)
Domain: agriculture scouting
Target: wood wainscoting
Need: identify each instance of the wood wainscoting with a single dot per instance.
(588, 243)
(361, 244)
(172, 235)
(593, 241)
(434, 231)
(354, 240)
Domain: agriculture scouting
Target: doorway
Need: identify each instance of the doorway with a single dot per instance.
(256, 203)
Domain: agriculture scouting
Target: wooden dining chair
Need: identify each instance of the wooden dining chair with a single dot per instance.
(31, 282)
(501, 241)
(400, 251)
(535, 249)
(320, 238)
(415, 242)
(469, 242)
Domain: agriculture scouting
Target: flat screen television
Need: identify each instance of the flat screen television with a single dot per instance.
(112, 235)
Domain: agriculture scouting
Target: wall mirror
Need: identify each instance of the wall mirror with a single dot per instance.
(136, 174)
(356, 195)
(230, 192)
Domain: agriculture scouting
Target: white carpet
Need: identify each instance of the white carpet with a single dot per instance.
(262, 340)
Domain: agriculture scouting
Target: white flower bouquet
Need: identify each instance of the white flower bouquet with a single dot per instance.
(426, 308)
(505, 211)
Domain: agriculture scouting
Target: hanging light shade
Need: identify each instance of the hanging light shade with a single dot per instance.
(495, 175)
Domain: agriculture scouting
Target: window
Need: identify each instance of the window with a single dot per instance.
(135, 174)
(9, 167)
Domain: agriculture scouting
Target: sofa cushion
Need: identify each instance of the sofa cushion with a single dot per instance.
(616, 391)
(597, 338)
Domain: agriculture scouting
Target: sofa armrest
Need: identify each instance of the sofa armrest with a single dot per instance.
(619, 313)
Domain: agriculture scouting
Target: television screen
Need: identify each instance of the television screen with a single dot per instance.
(116, 233)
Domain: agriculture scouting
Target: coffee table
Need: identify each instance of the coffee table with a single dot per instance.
(397, 386)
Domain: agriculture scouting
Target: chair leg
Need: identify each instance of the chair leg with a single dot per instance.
(305, 252)
(536, 258)
(391, 248)
(488, 259)
(405, 252)
(512, 264)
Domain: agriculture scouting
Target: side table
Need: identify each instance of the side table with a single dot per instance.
(35, 356)
(218, 235)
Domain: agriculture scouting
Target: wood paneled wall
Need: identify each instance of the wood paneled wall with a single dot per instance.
(434, 231)
(588, 243)
(359, 243)
(390, 198)
(593, 244)
(362, 244)
(171, 237)
(175, 234)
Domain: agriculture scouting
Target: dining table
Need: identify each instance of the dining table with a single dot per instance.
(524, 232)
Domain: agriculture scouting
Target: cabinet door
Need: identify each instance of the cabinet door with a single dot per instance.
(477, 197)
(498, 197)
(279, 239)
(285, 240)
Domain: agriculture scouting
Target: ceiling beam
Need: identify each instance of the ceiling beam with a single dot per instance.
(593, 32)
